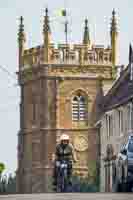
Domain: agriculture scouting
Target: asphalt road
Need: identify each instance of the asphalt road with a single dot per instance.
(70, 196)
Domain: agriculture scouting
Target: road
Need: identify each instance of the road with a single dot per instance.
(70, 196)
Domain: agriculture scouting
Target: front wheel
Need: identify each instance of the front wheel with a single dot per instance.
(62, 180)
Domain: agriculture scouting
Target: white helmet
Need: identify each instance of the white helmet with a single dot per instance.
(64, 137)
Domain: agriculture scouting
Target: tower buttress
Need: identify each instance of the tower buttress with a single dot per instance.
(46, 36)
(114, 37)
(21, 42)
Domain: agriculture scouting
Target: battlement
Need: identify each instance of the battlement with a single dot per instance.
(85, 52)
(69, 54)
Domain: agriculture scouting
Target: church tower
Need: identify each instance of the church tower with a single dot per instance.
(59, 89)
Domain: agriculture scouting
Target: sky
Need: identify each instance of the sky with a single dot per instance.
(98, 13)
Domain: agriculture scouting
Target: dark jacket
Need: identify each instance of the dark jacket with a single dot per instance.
(65, 152)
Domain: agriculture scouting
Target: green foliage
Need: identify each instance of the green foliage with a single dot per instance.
(2, 168)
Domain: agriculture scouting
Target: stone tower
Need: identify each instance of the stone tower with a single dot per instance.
(58, 92)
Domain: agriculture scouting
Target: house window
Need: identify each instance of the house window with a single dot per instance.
(109, 125)
(110, 121)
(129, 113)
(120, 121)
(79, 108)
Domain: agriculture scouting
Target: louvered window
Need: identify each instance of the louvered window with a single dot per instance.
(79, 108)
(75, 109)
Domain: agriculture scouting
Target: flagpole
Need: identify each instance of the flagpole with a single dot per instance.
(66, 22)
(66, 32)
(64, 14)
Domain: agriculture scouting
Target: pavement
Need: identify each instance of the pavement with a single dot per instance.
(70, 196)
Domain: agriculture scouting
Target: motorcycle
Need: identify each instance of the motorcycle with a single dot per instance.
(62, 176)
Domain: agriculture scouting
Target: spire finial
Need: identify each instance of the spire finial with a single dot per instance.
(86, 23)
(46, 27)
(113, 21)
(86, 38)
(114, 42)
(21, 35)
(21, 20)
(21, 42)
(46, 11)
(113, 12)
(46, 36)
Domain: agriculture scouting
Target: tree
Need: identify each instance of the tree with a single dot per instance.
(2, 181)
(2, 168)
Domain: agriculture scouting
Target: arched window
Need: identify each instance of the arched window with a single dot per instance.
(79, 108)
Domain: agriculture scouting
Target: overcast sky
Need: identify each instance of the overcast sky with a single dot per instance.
(98, 13)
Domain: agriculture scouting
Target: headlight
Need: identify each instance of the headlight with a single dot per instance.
(63, 165)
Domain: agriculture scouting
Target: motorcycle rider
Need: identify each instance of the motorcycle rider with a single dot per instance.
(64, 151)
